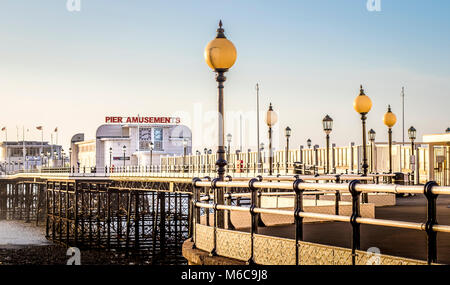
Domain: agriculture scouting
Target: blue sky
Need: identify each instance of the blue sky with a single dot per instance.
(71, 69)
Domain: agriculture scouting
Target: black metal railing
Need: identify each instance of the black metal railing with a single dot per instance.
(431, 191)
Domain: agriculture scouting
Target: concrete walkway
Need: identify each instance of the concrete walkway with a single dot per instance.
(390, 241)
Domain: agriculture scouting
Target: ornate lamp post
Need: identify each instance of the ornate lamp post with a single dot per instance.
(55, 159)
(412, 137)
(362, 104)
(327, 123)
(209, 152)
(262, 157)
(150, 147)
(220, 55)
(42, 159)
(110, 158)
(124, 148)
(198, 153)
(287, 133)
(271, 120)
(70, 159)
(389, 119)
(206, 159)
(184, 154)
(372, 147)
(229, 136)
(48, 158)
(248, 160)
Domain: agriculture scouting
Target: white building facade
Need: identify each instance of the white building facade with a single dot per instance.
(25, 155)
(118, 145)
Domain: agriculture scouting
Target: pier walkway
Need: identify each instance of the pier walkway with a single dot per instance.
(133, 212)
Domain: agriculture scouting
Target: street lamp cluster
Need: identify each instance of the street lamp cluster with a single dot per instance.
(362, 104)
(220, 55)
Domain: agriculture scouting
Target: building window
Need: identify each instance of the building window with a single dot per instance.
(158, 133)
(145, 137)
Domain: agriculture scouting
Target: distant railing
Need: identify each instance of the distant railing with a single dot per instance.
(355, 187)
(341, 159)
(175, 171)
(206, 170)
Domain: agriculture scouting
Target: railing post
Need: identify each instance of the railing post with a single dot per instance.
(431, 220)
(229, 201)
(207, 192)
(47, 206)
(356, 235)
(337, 198)
(254, 223)
(195, 211)
(258, 204)
(214, 187)
(298, 220)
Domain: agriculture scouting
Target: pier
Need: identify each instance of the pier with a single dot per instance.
(147, 217)
(171, 218)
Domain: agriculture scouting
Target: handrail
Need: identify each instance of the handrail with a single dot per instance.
(329, 217)
(236, 195)
(431, 190)
(342, 187)
(148, 172)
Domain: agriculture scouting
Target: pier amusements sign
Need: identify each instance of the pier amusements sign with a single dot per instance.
(142, 120)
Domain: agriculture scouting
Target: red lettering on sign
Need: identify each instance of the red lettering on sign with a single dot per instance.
(158, 120)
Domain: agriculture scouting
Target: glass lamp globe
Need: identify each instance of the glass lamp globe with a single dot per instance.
(372, 135)
(271, 116)
(287, 132)
(362, 103)
(389, 119)
(412, 133)
(327, 124)
(220, 53)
